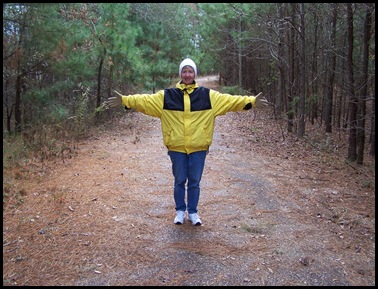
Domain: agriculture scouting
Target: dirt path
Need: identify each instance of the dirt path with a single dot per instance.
(273, 215)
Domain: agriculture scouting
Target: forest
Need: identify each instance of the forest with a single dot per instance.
(288, 190)
(314, 62)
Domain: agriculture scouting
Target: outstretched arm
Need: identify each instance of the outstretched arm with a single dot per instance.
(150, 104)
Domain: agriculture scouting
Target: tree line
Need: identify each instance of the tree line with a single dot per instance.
(315, 62)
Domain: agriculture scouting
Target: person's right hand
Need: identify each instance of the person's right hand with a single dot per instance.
(114, 101)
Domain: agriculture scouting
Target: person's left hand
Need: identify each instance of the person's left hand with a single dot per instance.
(114, 101)
(261, 102)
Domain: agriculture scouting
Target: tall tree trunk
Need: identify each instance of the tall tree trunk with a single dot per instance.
(8, 105)
(363, 95)
(98, 97)
(313, 110)
(352, 154)
(110, 81)
(330, 74)
(9, 118)
(240, 53)
(99, 77)
(292, 85)
(302, 75)
(17, 106)
(21, 73)
(280, 64)
(372, 134)
(343, 80)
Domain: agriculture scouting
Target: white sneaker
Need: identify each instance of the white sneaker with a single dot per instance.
(179, 219)
(195, 219)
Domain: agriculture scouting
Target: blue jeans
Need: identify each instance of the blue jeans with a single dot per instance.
(187, 168)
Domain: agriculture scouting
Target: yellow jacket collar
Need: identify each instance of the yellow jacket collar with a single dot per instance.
(189, 88)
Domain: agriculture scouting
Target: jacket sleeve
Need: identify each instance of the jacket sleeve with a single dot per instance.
(149, 104)
(223, 102)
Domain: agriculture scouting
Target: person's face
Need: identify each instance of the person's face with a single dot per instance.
(187, 74)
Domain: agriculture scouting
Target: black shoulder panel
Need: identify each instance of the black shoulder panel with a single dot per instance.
(200, 99)
(173, 99)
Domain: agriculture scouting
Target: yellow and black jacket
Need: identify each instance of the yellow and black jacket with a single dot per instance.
(187, 113)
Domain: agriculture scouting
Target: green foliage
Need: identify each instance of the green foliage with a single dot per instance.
(312, 100)
(237, 90)
(59, 113)
(293, 105)
(158, 60)
(14, 150)
(83, 115)
(220, 33)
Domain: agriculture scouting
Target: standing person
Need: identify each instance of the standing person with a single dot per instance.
(187, 113)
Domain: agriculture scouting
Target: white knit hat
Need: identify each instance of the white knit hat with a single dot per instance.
(189, 62)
